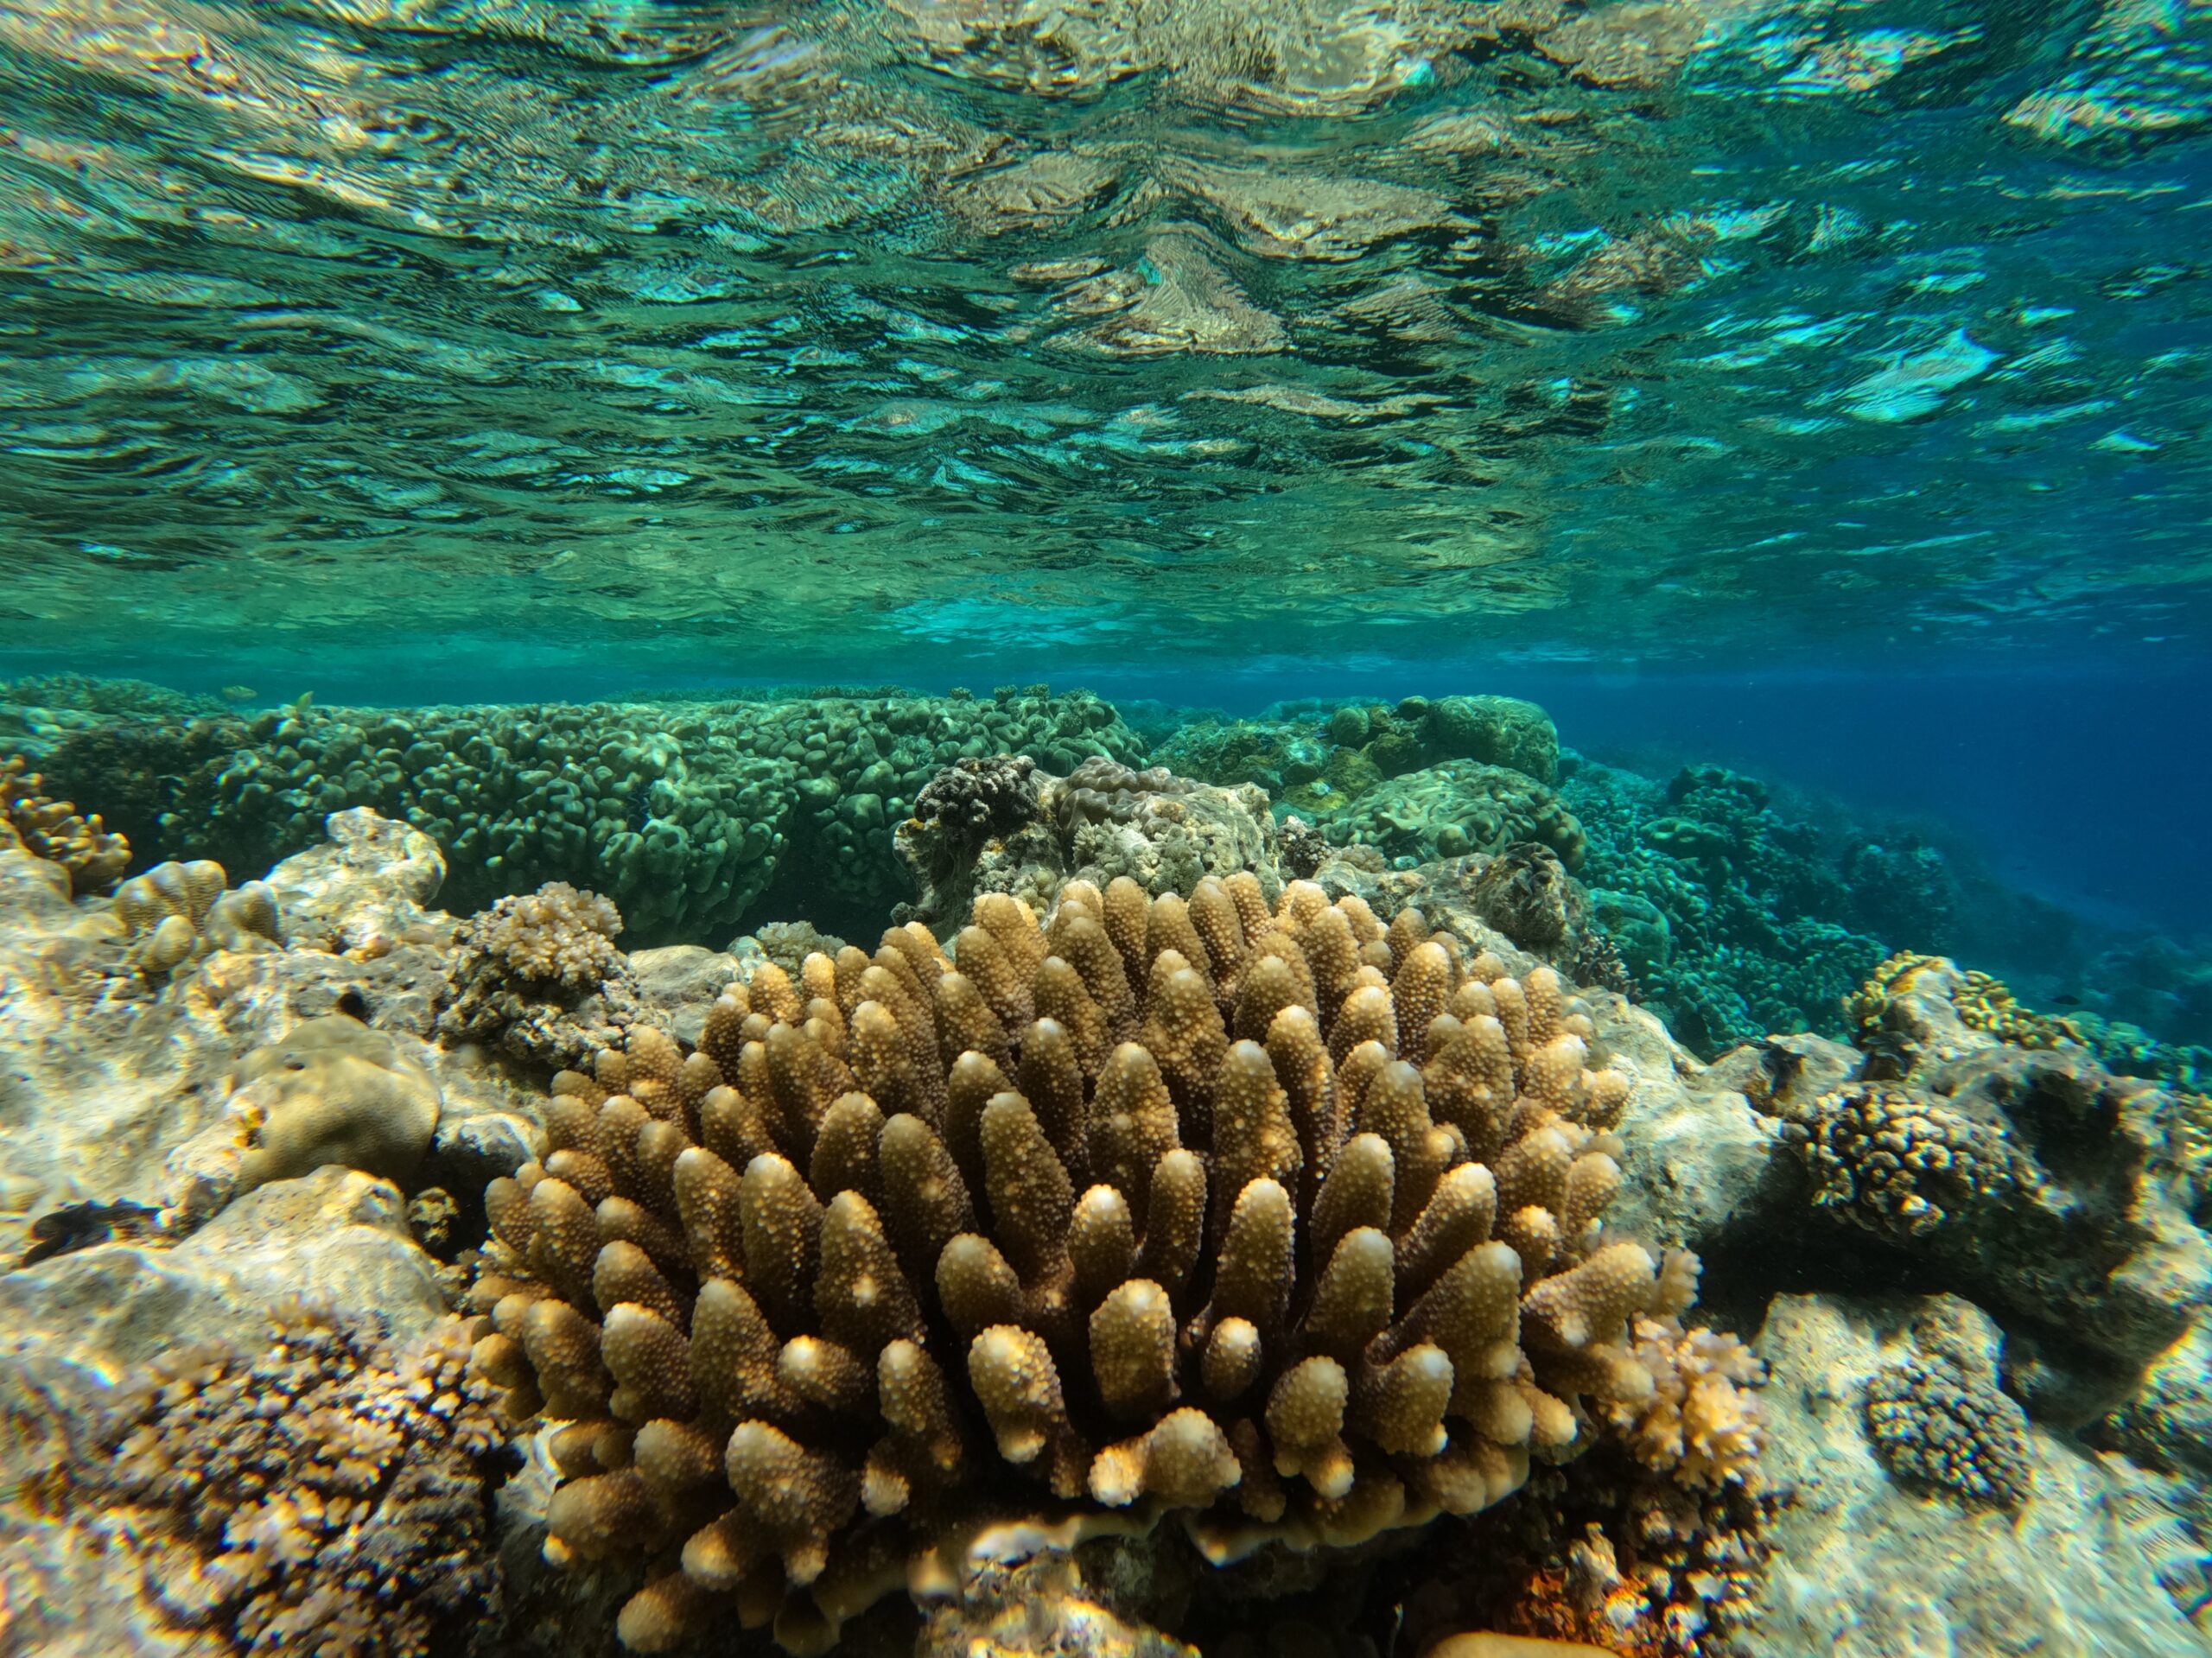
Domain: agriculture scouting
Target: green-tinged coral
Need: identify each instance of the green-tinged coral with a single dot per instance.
(1935, 1424)
(1265, 1214)
(683, 815)
(52, 829)
(1730, 914)
(1456, 808)
(328, 1495)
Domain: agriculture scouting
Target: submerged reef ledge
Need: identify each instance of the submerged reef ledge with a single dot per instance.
(1247, 1200)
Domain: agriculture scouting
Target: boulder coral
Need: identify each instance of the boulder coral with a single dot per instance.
(1270, 1216)
(331, 1091)
(1454, 809)
(94, 854)
(178, 912)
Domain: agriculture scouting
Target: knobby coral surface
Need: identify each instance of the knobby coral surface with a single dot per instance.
(329, 1495)
(538, 976)
(1273, 1216)
(177, 912)
(1934, 1424)
(94, 854)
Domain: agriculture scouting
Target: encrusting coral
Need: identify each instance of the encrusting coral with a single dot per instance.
(1933, 1423)
(328, 1496)
(94, 854)
(1273, 1217)
(539, 976)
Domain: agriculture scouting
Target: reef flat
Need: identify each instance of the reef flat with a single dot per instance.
(1247, 1188)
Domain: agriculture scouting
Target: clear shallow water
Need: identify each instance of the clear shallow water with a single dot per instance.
(934, 340)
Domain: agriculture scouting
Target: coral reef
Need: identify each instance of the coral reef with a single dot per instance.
(52, 829)
(1168, 1196)
(2094, 1560)
(1101, 822)
(329, 1495)
(683, 815)
(1735, 919)
(1932, 1423)
(539, 977)
(2025, 1173)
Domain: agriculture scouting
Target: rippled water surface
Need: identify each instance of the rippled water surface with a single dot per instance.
(875, 340)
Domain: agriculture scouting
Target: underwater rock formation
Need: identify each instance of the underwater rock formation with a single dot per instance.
(1101, 822)
(122, 1088)
(2093, 1559)
(2027, 1175)
(1167, 1197)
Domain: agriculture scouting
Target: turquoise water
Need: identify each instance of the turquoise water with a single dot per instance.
(698, 451)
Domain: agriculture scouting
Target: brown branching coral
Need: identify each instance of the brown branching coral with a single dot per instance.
(329, 1496)
(538, 976)
(1273, 1215)
(94, 854)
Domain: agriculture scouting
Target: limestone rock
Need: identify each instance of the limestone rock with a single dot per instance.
(2094, 1562)
(365, 889)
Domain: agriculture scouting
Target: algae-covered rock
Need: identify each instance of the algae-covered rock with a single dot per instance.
(1455, 808)
(2094, 1561)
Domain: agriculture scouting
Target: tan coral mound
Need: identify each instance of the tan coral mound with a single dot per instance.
(94, 854)
(1277, 1217)
(328, 1495)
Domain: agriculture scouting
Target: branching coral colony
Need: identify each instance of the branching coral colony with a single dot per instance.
(1275, 1219)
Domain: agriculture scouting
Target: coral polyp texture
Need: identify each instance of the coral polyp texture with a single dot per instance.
(177, 912)
(1271, 1217)
(52, 829)
(328, 1495)
(1933, 1423)
(539, 977)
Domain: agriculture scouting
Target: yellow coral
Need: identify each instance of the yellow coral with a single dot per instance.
(94, 854)
(1702, 1424)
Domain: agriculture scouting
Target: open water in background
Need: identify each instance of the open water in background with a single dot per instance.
(1819, 387)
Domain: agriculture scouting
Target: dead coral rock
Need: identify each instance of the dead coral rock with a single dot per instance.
(365, 890)
(2094, 1561)
(2030, 1177)
(1271, 1214)
(52, 829)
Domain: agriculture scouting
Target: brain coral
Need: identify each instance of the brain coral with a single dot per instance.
(329, 1496)
(1931, 1422)
(52, 829)
(1271, 1216)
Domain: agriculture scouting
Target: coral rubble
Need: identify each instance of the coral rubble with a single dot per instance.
(1271, 1216)
(539, 977)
